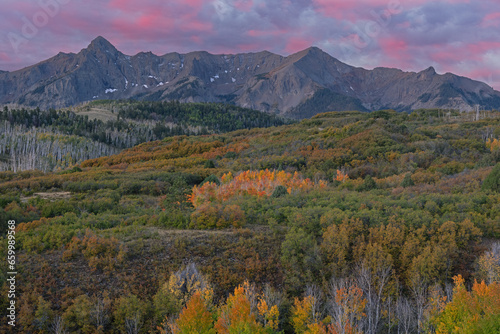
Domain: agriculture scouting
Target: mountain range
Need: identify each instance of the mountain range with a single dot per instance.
(298, 86)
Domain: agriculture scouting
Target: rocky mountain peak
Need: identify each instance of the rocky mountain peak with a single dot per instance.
(430, 70)
(427, 73)
(100, 44)
(299, 85)
(306, 53)
(314, 50)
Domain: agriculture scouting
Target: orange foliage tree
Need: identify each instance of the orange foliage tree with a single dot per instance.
(236, 316)
(348, 308)
(239, 314)
(269, 314)
(255, 183)
(493, 144)
(195, 317)
(302, 314)
(341, 176)
(476, 311)
(305, 320)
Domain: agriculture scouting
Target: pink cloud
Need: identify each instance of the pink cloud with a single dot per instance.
(481, 73)
(334, 8)
(450, 55)
(363, 9)
(446, 56)
(479, 48)
(127, 29)
(174, 20)
(26, 8)
(248, 47)
(295, 44)
(404, 25)
(243, 5)
(133, 6)
(257, 33)
(396, 51)
(192, 4)
(196, 39)
(152, 20)
(4, 57)
(264, 33)
(190, 23)
(491, 20)
(393, 46)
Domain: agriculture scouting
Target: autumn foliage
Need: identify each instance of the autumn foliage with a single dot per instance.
(341, 176)
(195, 317)
(350, 305)
(302, 314)
(476, 311)
(268, 313)
(243, 312)
(254, 183)
(493, 144)
(121, 229)
(236, 315)
(208, 199)
(101, 253)
(217, 216)
(347, 309)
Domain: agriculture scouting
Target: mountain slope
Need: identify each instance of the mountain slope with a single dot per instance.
(300, 85)
(47, 140)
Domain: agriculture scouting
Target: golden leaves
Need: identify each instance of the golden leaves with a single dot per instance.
(254, 183)
(477, 311)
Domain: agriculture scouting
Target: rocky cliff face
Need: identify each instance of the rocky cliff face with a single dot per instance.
(300, 85)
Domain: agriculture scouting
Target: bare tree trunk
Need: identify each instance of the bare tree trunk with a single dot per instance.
(419, 289)
(405, 315)
(133, 325)
(316, 294)
(373, 285)
(57, 326)
(100, 313)
(342, 305)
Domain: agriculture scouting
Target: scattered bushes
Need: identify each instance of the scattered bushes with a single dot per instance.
(101, 253)
(217, 216)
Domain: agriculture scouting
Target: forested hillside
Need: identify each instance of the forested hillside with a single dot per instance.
(48, 140)
(348, 222)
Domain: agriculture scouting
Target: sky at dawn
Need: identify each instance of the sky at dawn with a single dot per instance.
(458, 36)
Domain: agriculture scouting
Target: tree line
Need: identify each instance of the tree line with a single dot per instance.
(36, 139)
